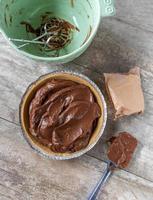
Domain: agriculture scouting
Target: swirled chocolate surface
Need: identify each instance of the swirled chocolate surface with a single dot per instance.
(122, 148)
(63, 115)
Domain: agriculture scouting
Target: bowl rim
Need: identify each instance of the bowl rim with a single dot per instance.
(64, 57)
(76, 154)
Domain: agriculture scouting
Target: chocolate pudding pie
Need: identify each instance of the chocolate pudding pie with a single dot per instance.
(63, 115)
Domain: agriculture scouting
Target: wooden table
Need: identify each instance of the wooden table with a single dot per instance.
(122, 42)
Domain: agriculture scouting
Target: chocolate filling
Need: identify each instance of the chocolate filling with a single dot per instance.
(121, 149)
(63, 115)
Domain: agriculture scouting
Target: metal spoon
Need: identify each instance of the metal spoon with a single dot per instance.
(110, 168)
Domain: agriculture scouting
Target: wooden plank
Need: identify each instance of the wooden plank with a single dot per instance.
(141, 163)
(17, 72)
(115, 50)
(121, 42)
(26, 175)
(117, 47)
(136, 13)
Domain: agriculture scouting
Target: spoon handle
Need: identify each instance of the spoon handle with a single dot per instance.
(102, 181)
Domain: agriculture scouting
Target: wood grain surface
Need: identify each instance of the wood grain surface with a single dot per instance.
(25, 175)
(122, 42)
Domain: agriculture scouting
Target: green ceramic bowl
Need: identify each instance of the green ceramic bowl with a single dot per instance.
(84, 14)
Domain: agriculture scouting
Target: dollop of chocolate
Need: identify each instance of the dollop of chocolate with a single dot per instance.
(121, 149)
(63, 115)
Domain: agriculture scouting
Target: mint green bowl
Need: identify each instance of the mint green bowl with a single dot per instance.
(84, 14)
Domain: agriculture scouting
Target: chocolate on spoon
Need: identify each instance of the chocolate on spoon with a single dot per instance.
(121, 149)
(119, 153)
